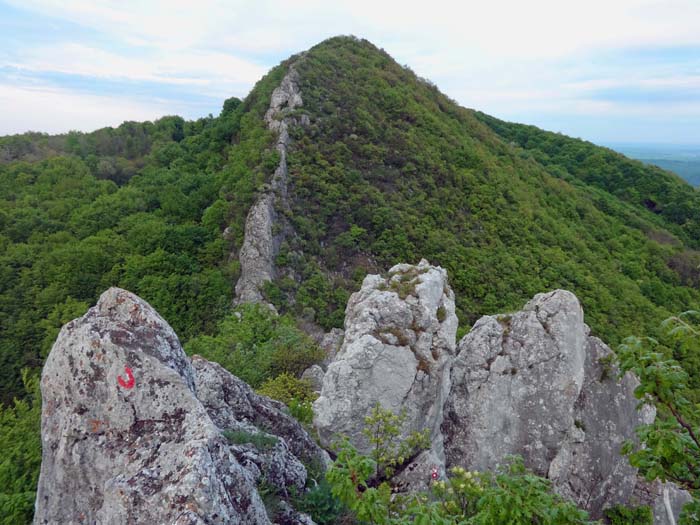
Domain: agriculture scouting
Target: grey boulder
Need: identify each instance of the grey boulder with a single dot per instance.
(399, 340)
(134, 432)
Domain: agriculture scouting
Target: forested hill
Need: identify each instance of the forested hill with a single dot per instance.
(636, 182)
(384, 169)
(390, 169)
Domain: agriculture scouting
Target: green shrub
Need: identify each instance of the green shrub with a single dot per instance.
(259, 440)
(510, 495)
(287, 388)
(296, 393)
(20, 444)
(621, 515)
(320, 503)
(255, 345)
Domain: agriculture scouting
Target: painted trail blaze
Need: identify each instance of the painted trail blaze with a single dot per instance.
(129, 382)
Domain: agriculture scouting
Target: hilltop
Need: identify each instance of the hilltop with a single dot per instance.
(339, 163)
(382, 168)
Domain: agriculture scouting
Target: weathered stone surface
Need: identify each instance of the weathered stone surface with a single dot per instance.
(588, 468)
(533, 384)
(263, 231)
(330, 343)
(399, 338)
(232, 404)
(134, 432)
(132, 445)
(314, 375)
(668, 503)
(514, 384)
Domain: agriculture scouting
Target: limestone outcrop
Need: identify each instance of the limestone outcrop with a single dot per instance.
(399, 340)
(126, 439)
(263, 231)
(515, 382)
(536, 384)
(533, 383)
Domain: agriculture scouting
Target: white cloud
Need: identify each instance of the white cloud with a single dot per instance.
(57, 111)
(502, 56)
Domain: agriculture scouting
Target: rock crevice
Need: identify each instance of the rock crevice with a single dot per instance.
(529, 383)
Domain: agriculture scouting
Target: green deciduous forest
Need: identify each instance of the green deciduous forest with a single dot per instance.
(389, 170)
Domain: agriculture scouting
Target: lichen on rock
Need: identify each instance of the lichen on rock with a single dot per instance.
(126, 439)
(399, 340)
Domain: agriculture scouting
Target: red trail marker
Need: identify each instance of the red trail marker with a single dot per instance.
(129, 383)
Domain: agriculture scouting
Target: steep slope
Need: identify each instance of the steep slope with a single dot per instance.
(382, 168)
(646, 187)
(389, 170)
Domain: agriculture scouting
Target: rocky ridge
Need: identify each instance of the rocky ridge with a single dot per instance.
(399, 338)
(134, 432)
(533, 383)
(263, 232)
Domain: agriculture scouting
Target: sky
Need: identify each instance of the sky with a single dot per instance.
(609, 71)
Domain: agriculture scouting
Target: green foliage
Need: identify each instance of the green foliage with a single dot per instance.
(296, 393)
(621, 515)
(646, 187)
(323, 507)
(256, 345)
(390, 170)
(383, 430)
(259, 440)
(510, 495)
(286, 388)
(20, 444)
(669, 448)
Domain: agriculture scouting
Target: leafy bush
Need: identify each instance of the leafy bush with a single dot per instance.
(510, 495)
(259, 440)
(287, 388)
(389, 449)
(323, 507)
(256, 345)
(621, 515)
(296, 393)
(669, 448)
(20, 444)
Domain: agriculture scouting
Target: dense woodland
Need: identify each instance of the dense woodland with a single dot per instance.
(389, 170)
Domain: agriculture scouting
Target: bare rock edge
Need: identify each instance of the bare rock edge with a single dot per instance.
(132, 430)
(529, 383)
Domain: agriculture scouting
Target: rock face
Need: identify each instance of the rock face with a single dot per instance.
(126, 440)
(515, 382)
(536, 384)
(232, 404)
(399, 339)
(263, 233)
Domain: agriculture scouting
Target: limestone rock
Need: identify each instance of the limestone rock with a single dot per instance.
(124, 438)
(232, 404)
(588, 468)
(314, 375)
(135, 432)
(668, 503)
(514, 384)
(263, 231)
(399, 340)
(330, 343)
(536, 384)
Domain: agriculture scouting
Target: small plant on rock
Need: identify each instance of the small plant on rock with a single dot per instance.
(383, 430)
